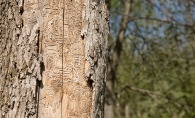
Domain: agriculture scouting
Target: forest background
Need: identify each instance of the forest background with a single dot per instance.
(151, 70)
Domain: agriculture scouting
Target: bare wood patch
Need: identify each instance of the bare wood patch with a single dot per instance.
(65, 92)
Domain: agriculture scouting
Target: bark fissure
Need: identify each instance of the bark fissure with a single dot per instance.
(62, 61)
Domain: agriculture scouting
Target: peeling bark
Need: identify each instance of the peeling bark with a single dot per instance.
(53, 57)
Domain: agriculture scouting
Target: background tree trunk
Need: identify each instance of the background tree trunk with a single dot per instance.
(114, 62)
(53, 58)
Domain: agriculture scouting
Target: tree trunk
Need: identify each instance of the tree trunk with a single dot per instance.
(127, 114)
(53, 57)
(114, 61)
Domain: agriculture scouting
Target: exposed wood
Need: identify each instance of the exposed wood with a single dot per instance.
(65, 92)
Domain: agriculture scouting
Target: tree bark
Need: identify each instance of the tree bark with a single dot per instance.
(53, 58)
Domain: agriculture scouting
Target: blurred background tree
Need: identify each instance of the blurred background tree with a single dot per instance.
(151, 70)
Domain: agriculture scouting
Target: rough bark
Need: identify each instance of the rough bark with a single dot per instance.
(53, 58)
(114, 61)
(95, 30)
(19, 62)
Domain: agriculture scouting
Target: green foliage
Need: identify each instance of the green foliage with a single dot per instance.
(156, 73)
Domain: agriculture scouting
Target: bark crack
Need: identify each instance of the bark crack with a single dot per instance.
(62, 62)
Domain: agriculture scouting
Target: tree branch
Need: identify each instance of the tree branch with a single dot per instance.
(160, 20)
(120, 38)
